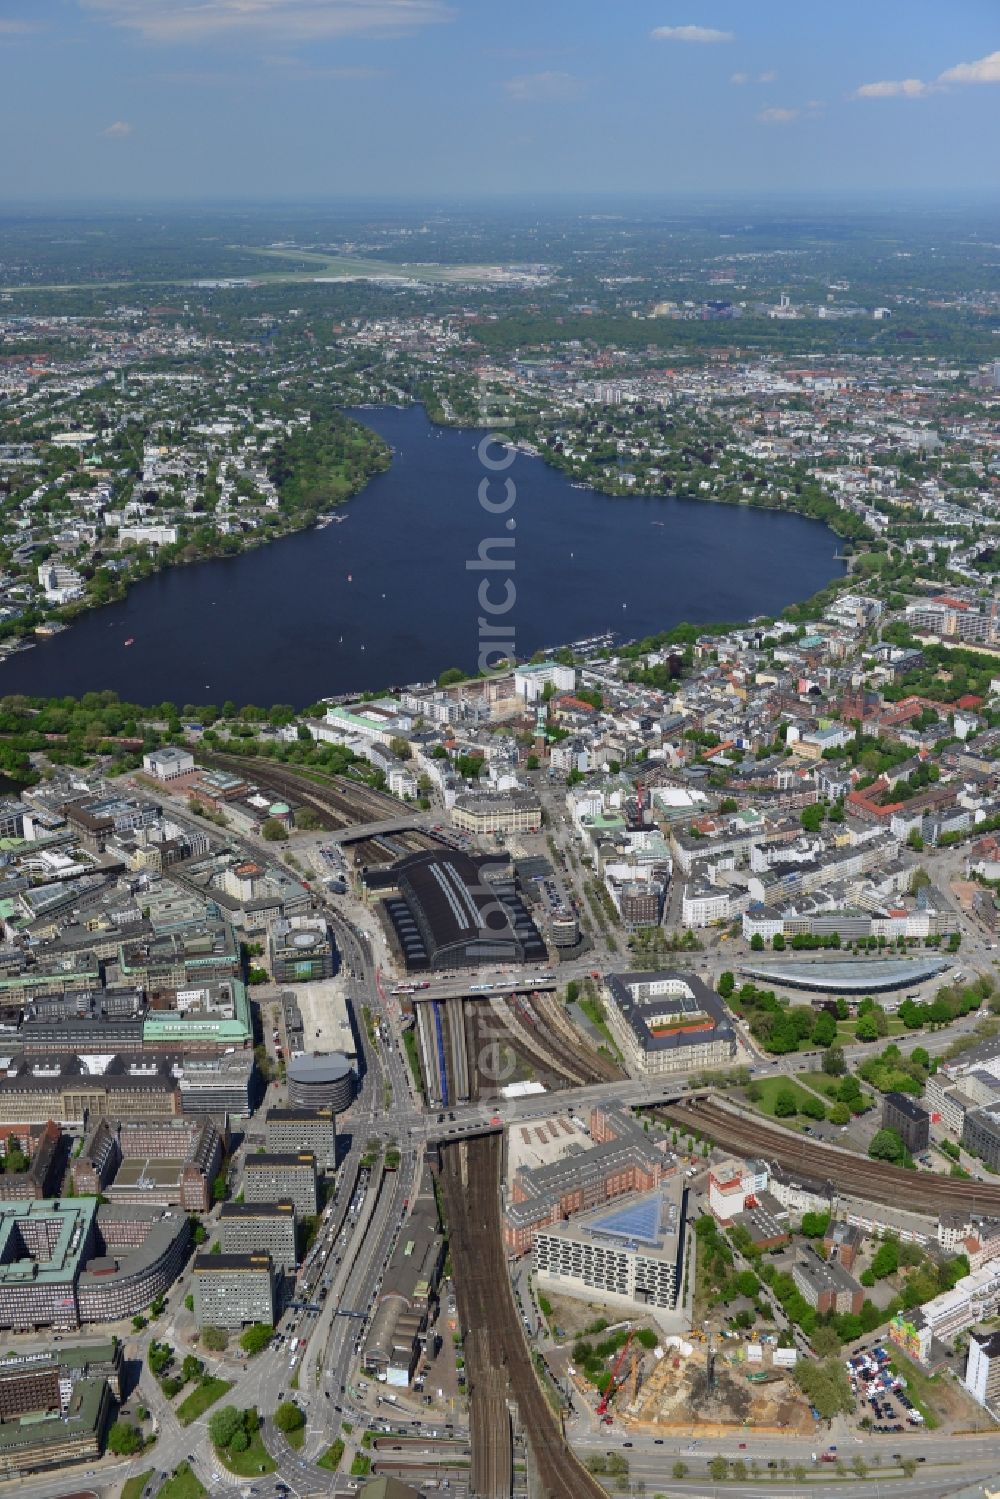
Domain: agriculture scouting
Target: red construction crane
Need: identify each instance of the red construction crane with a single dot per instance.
(609, 1393)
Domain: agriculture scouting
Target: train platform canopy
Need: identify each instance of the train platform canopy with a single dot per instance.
(849, 975)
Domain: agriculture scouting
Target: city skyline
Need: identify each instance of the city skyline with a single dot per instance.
(285, 99)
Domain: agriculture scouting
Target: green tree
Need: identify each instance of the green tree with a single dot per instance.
(784, 1104)
(254, 1339)
(886, 1145)
(834, 1062)
(124, 1439)
(288, 1417)
(224, 1424)
(756, 945)
(718, 1468)
(215, 1339)
(274, 831)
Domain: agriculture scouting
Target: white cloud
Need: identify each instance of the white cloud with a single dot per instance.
(691, 34)
(18, 28)
(178, 21)
(544, 88)
(741, 78)
(119, 131)
(887, 88)
(985, 70)
(778, 116)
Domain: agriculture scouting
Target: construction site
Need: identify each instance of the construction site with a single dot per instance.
(702, 1389)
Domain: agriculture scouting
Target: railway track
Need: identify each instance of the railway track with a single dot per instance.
(343, 801)
(495, 1343)
(875, 1181)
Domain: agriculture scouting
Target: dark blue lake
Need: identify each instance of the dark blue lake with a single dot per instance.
(385, 596)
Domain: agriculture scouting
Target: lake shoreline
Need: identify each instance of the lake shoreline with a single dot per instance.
(390, 595)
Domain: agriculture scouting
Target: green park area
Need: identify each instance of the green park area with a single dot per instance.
(133, 1487)
(765, 1092)
(238, 1443)
(202, 1397)
(182, 1484)
(333, 1456)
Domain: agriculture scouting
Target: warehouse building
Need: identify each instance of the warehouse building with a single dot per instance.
(409, 1294)
(293, 1130)
(282, 1177)
(233, 1290)
(260, 1228)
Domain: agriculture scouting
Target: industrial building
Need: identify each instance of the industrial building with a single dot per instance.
(409, 1294)
(272, 1177)
(667, 1022)
(260, 1228)
(631, 1255)
(295, 1129)
(232, 1290)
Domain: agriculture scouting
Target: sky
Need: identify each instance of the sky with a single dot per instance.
(261, 100)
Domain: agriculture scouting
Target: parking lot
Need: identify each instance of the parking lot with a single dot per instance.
(881, 1393)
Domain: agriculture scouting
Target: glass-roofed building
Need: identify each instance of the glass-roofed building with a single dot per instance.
(629, 1255)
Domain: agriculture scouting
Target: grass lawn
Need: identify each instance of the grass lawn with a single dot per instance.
(922, 1388)
(820, 1081)
(134, 1486)
(594, 1011)
(205, 1394)
(331, 1458)
(296, 1438)
(770, 1087)
(251, 1463)
(182, 1484)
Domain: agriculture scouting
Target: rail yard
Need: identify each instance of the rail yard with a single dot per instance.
(470, 1181)
(470, 1046)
